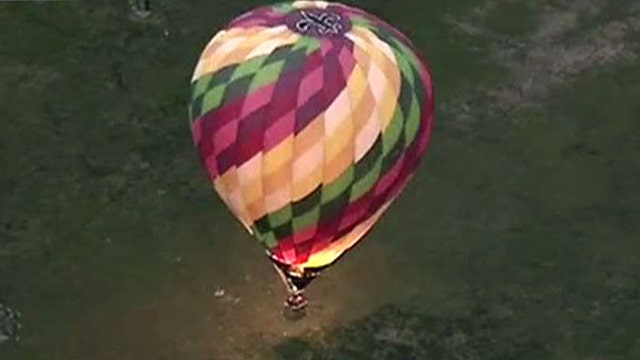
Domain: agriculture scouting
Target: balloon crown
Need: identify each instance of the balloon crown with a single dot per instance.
(318, 22)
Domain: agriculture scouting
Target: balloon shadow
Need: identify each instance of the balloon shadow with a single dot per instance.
(400, 332)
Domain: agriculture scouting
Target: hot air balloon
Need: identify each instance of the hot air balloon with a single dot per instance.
(310, 118)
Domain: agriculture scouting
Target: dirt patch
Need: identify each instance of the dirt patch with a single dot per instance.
(26, 76)
(556, 51)
(9, 324)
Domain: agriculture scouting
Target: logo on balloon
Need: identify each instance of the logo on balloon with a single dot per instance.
(319, 23)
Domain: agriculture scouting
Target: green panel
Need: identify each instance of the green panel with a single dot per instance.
(261, 226)
(269, 240)
(392, 134)
(340, 185)
(212, 99)
(283, 231)
(248, 67)
(409, 55)
(266, 75)
(391, 158)
(367, 182)
(195, 108)
(413, 122)
(405, 68)
(284, 8)
(281, 216)
(360, 21)
(201, 85)
(304, 221)
(307, 203)
(334, 208)
(308, 43)
(313, 45)
(368, 161)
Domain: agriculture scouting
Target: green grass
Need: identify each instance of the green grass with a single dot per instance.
(515, 19)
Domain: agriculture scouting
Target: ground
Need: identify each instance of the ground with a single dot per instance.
(517, 239)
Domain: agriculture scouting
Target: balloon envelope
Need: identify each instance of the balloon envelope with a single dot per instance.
(310, 117)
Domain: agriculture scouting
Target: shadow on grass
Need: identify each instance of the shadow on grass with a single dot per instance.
(400, 332)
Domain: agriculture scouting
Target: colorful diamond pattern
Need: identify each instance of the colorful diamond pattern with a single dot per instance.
(309, 139)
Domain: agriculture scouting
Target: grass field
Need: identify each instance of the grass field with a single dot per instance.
(519, 238)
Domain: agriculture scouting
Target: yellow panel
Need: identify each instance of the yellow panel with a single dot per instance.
(306, 186)
(335, 168)
(278, 156)
(301, 4)
(233, 47)
(308, 137)
(340, 141)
